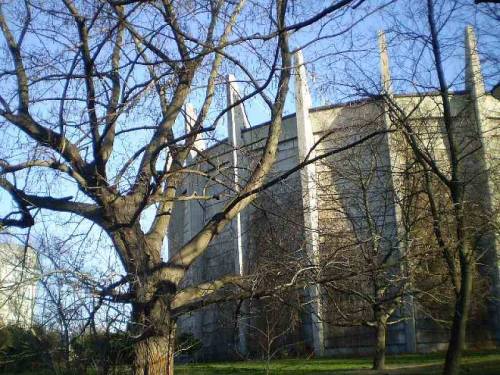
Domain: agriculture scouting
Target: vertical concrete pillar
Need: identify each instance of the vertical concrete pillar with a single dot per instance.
(385, 72)
(190, 180)
(191, 116)
(474, 82)
(486, 193)
(192, 220)
(305, 139)
(236, 121)
(397, 164)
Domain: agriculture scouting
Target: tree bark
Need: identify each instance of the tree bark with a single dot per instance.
(154, 350)
(151, 323)
(380, 345)
(459, 326)
(154, 356)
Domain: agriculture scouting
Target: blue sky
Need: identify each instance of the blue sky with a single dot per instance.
(338, 65)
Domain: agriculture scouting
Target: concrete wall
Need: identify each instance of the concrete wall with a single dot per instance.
(338, 196)
(340, 199)
(18, 280)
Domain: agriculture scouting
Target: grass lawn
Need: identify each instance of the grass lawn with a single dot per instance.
(475, 363)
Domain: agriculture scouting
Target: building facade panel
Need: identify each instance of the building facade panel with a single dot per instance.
(358, 199)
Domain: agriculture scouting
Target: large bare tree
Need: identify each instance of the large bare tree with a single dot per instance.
(91, 93)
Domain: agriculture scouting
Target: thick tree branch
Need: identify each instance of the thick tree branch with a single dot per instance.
(49, 138)
(161, 221)
(88, 68)
(198, 244)
(86, 210)
(106, 141)
(22, 78)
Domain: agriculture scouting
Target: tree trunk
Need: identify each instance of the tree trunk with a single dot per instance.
(152, 324)
(459, 326)
(66, 349)
(380, 345)
(154, 356)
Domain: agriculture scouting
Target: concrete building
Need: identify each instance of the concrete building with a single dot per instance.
(315, 131)
(18, 280)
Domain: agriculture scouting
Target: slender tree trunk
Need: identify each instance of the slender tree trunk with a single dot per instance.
(380, 345)
(66, 348)
(459, 326)
(458, 329)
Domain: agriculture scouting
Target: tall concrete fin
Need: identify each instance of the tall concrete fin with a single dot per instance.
(474, 84)
(397, 162)
(385, 73)
(190, 181)
(190, 120)
(233, 95)
(488, 134)
(474, 81)
(236, 121)
(305, 139)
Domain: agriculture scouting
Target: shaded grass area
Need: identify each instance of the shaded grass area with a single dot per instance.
(473, 363)
(480, 363)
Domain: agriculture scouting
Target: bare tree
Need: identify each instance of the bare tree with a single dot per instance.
(277, 256)
(92, 91)
(452, 187)
(67, 298)
(360, 241)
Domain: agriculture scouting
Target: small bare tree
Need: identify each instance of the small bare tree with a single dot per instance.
(449, 157)
(362, 244)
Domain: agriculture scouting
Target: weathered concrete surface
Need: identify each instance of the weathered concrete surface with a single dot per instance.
(329, 199)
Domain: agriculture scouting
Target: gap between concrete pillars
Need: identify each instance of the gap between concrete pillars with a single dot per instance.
(397, 161)
(305, 139)
(236, 121)
(474, 84)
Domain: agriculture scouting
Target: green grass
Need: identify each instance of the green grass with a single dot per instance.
(473, 363)
(480, 363)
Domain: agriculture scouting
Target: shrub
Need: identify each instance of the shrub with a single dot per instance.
(25, 349)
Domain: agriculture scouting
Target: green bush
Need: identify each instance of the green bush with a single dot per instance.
(39, 352)
(102, 350)
(25, 350)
